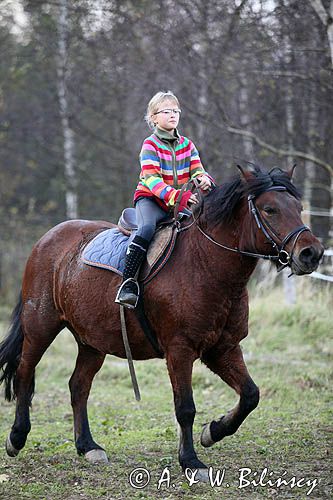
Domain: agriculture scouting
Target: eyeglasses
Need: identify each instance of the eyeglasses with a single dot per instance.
(169, 111)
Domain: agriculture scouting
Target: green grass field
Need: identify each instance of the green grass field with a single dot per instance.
(289, 355)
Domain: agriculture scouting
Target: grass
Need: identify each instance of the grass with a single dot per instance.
(288, 353)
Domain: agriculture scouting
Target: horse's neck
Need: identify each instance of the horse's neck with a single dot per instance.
(223, 266)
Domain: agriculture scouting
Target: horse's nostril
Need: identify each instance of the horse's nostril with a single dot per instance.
(307, 252)
(309, 255)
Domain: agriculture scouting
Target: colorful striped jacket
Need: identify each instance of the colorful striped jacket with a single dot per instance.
(167, 162)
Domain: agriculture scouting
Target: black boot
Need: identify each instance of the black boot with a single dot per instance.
(128, 293)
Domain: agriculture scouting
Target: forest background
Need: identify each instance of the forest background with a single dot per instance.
(254, 79)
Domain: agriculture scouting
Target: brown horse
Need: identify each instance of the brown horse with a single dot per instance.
(197, 305)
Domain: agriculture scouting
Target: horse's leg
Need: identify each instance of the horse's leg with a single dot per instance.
(33, 348)
(88, 362)
(230, 366)
(180, 363)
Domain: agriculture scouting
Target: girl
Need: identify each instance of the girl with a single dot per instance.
(168, 160)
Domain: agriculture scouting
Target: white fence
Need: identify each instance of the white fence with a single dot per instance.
(325, 277)
(290, 286)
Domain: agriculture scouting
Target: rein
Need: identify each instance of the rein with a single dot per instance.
(195, 187)
(282, 257)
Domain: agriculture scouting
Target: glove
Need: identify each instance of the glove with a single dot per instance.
(184, 200)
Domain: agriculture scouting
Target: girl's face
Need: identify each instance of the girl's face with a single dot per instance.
(167, 115)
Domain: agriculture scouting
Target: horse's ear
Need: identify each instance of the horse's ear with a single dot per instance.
(290, 172)
(246, 174)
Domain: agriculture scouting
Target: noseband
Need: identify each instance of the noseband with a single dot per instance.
(283, 258)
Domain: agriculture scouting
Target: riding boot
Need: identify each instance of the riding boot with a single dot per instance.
(128, 293)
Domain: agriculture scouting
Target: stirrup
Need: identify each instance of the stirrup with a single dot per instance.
(132, 296)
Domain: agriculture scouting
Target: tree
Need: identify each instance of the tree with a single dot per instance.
(326, 17)
(63, 75)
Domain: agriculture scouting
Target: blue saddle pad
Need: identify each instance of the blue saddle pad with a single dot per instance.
(108, 250)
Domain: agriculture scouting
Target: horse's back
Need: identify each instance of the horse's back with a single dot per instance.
(70, 231)
(54, 248)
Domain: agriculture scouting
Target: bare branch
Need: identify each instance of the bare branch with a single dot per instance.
(265, 145)
(279, 151)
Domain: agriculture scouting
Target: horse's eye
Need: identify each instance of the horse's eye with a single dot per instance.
(269, 210)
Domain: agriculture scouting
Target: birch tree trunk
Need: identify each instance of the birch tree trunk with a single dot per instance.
(68, 134)
(244, 117)
(289, 283)
(326, 18)
(321, 190)
(202, 105)
(203, 74)
(310, 170)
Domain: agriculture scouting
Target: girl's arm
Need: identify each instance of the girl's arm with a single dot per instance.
(197, 170)
(196, 167)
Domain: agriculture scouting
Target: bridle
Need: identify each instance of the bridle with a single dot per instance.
(282, 258)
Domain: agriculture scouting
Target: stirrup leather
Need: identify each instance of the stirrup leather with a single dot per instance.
(121, 301)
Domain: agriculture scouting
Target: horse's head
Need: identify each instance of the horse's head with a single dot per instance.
(275, 209)
(263, 213)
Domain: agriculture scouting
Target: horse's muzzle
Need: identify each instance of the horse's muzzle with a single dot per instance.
(307, 260)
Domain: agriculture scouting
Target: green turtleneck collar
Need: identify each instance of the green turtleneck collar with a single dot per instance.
(166, 136)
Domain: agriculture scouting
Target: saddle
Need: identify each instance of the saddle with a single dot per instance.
(108, 249)
(127, 221)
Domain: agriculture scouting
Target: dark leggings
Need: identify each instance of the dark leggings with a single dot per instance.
(148, 214)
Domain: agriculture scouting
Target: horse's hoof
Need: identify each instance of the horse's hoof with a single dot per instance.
(206, 437)
(11, 451)
(196, 475)
(96, 457)
(202, 475)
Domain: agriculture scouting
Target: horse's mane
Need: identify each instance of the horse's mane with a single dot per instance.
(221, 203)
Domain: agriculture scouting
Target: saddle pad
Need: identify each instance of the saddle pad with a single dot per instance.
(108, 249)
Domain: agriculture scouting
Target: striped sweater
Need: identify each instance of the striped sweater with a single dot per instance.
(167, 162)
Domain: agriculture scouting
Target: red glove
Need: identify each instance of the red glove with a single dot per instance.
(184, 200)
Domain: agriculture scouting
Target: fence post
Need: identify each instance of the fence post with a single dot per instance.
(289, 288)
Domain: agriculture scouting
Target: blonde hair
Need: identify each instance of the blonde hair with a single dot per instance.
(154, 103)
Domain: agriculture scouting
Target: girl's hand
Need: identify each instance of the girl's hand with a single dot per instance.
(205, 182)
(187, 199)
(193, 199)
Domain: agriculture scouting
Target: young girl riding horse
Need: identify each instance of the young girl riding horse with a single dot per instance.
(168, 160)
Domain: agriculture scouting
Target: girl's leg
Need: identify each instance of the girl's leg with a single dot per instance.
(148, 214)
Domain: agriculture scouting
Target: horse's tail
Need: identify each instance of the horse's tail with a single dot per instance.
(10, 352)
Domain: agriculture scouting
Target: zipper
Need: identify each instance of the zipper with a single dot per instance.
(174, 169)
